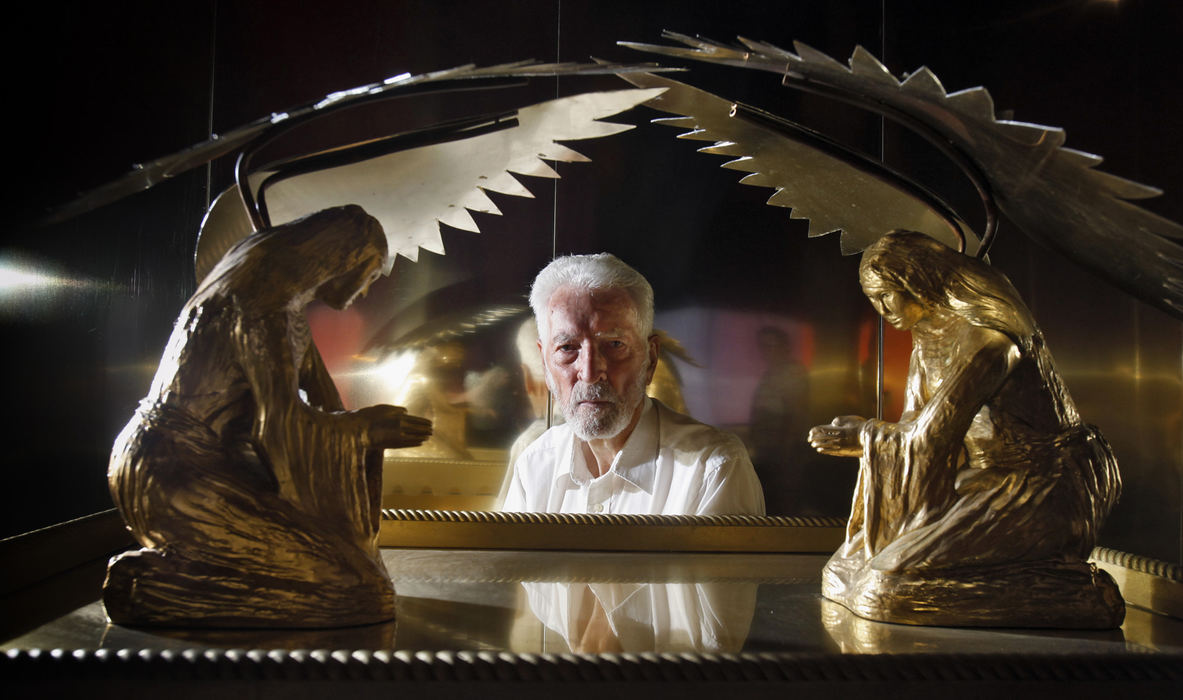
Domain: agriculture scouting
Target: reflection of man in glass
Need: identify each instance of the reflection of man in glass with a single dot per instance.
(706, 617)
(618, 452)
(534, 383)
(778, 422)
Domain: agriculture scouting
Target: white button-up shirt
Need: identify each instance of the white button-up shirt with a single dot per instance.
(670, 465)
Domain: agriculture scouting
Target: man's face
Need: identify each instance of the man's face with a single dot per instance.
(597, 364)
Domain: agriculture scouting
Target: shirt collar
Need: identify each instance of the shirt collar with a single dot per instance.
(636, 462)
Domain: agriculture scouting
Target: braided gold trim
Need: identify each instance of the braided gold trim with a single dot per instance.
(1139, 563)
(60, 667)
(503, 518)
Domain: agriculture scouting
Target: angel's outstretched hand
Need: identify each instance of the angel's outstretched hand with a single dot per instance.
(392, 427)
(840, 438)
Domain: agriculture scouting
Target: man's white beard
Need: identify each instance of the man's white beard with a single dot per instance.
(605, 422)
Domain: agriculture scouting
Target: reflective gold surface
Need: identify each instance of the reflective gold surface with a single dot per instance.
(530, 603)
(981, 505)
(254, 495)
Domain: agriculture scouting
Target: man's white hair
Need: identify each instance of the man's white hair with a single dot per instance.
(590, 272)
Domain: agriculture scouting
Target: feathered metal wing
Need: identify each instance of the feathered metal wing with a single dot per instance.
(1054, 194)
(146, 175)
(412, 191)
(846, 194)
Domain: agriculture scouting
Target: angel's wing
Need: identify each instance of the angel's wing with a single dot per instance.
(834, 190)
(148, 174)
(1052, 193)
(412, 191)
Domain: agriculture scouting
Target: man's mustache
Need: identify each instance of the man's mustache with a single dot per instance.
(600, 391)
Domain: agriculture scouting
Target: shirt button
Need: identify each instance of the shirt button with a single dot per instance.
(598, 508)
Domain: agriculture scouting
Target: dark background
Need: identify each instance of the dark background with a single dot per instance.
(94, 88)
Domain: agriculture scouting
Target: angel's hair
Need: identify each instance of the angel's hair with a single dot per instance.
(592, 272)
(936, 275)
(269, 269)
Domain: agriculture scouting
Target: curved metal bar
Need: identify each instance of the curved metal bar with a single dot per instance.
(241, 173)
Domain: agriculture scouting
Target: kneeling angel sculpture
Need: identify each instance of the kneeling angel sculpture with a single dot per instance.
(255, 496)
(981, 505)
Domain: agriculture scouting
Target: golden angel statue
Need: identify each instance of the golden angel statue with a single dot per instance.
(980, 506)
(255, 496)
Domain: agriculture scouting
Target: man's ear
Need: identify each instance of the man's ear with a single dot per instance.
(654, 353)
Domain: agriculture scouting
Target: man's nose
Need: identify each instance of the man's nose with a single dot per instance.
(592, 365)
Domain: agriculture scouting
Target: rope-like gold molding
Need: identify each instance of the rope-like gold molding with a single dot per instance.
(459, 529)
(1139, 563)
(58, 668)
(472, 516)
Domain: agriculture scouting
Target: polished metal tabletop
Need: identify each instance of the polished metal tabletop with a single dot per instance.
(605, 602)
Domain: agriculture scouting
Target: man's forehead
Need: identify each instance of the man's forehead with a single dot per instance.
(561, 334)
(603, 311)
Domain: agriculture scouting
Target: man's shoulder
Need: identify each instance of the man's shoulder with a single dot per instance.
(553, 438)
(683, 432)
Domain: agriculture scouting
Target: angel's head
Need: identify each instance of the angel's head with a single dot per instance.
(332, 255)
(340, 291)
(909, 276)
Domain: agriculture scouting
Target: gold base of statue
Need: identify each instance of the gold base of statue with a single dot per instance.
(1044, 594)
(148, 588)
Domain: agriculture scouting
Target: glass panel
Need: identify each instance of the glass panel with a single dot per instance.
(725, 266)
(772, 320)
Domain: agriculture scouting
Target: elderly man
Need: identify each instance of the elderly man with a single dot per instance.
(619, 451)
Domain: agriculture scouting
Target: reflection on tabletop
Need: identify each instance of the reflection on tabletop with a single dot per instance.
(563, 602)
(638, 617)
